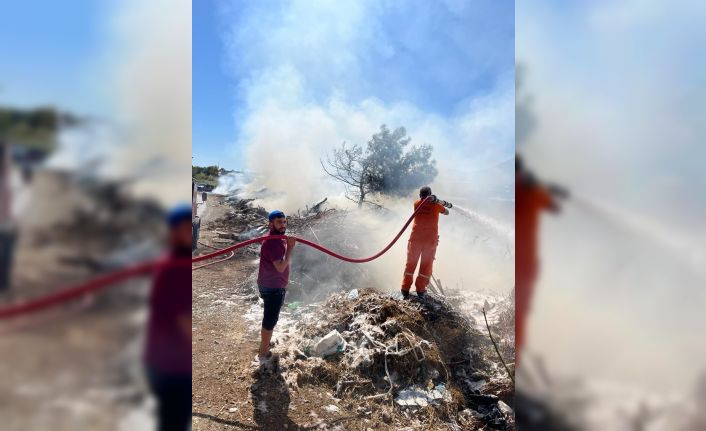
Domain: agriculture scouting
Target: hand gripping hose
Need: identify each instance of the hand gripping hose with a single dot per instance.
(103, 281)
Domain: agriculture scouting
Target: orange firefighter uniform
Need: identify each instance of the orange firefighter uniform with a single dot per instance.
(530, 200)
(422, 244)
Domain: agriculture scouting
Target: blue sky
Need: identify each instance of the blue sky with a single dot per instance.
(434, 57)
(49, 54)
(213, 124)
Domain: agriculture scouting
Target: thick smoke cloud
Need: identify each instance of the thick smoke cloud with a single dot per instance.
(620, 126)
(312, 75)
(144, 71)
(153, 91)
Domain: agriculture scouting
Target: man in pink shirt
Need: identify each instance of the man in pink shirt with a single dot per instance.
(272, 279)
(168, 349)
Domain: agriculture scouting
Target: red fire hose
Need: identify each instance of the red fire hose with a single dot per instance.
(66, 294)
(101, 282)
(315, 245)
(232, 253)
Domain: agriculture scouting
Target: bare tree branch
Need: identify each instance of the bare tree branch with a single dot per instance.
(496, 348)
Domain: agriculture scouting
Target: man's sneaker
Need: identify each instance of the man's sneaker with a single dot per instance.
(421, 295)
(260, 361)
(405, 294)
(268, 364)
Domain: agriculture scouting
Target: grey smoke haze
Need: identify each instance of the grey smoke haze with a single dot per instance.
(469, 256)
(310, 86)
(620, 125)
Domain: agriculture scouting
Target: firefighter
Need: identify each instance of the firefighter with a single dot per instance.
(423, 242)
(531, 199)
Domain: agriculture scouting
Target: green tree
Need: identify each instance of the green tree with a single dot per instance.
(395, 167)
(205, 174)
(389, 165)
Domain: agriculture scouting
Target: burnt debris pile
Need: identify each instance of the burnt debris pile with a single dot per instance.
(419, 359)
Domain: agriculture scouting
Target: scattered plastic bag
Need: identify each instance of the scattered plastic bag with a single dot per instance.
(416, 396)
(330, 344)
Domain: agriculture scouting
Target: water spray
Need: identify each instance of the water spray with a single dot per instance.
(636, 224)
(687, 251)
(490, 223)
(506, 232)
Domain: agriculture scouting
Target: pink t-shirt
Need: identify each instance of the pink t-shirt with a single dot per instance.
(268, 276)
(168, 348)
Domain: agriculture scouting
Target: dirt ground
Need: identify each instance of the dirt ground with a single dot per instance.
(230, 393)
(77, 365)
(226, 388)
(71, 369)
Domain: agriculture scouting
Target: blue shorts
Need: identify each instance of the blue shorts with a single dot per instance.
(273, 298)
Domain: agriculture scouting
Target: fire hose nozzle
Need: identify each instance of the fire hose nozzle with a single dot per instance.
(559, 191)
(436, 200)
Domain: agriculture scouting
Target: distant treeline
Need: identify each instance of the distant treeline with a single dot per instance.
(208, 174)
(34, 128)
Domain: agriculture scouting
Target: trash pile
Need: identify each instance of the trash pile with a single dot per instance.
(74, 228)
(96, 216)
(331, 228)
(418, 359)
(244, 220)
(241, 216)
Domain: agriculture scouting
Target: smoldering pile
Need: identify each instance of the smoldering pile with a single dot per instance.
(240, 217)
(72, 209)
(419, 359)
(327, 226)
(76, 227)
(315, 275)
(244, 220)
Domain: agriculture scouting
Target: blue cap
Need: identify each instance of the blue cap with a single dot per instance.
(178, 214)
(275, 214)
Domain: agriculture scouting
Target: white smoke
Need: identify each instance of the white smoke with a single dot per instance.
(152, 86)
(306, 49)
(145, 73)
(631, 143)
(84, 148)
(232, 183)
(288, 155)
(301, 51)
(469, 256)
